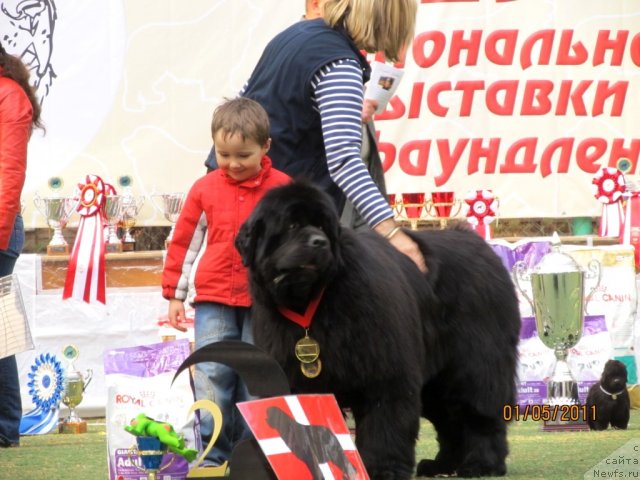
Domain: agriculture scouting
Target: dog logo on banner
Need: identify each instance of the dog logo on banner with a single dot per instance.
(304, 437)
(86, 275)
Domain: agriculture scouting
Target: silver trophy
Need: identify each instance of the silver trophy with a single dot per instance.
(113, 215)
(131, 206)
(171, 206)
(75, 384)
(57, 211)
(558, 290)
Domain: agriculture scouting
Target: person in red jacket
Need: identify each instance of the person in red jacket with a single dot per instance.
(215, 208)
(19, 113)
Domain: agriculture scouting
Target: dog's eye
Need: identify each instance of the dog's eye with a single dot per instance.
(294, 226)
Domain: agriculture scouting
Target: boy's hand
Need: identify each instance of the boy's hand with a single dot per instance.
(176, 314)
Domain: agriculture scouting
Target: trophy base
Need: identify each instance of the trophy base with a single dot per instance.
(73, 427)
(57, 249)
(565, 426)
(128, 246)
(113, 247)
(208, 473)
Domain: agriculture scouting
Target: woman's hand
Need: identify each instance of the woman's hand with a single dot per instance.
(176, 314)
(403, 242)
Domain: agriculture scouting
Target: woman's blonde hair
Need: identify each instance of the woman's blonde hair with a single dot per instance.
(375, 25)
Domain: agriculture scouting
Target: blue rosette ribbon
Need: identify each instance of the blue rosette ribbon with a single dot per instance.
(46, 385)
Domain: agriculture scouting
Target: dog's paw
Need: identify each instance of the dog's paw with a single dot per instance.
(432, 468)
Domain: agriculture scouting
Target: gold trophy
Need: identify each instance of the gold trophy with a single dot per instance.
(75, 384)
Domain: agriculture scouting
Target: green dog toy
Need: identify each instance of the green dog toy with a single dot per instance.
(143, 426)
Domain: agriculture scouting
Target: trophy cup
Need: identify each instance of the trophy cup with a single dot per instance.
(112, 216)
(151, 452)
(57, 211)
(412, 205)
(74, 386)
(557, 285)
(171, 206)
(131, 206)
(443, 206)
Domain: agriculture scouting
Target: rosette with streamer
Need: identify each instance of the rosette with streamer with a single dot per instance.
(46, 384)
(86, 275)
(608, 187)
(480, 208)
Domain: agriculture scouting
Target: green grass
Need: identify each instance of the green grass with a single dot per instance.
(535, 455)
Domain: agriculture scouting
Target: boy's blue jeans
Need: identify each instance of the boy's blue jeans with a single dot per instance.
(10, 403)
(215, 322)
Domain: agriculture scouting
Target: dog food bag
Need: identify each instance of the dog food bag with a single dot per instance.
(536, 361)
(138, 380)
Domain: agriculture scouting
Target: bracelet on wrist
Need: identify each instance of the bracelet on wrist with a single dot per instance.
(392, 232)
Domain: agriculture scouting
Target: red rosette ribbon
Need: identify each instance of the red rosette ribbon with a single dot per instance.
(480, 208)
(609, 186)
(630, 231)
(86, 274)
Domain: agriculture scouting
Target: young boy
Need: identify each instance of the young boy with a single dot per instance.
(215, 207)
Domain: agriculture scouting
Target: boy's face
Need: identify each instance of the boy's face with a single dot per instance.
(238, 158)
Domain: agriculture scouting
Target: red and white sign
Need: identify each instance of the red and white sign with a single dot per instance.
(295, 427)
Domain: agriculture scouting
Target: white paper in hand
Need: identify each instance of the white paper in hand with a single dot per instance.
(383, 84)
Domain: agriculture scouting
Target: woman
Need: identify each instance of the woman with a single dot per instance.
(310, 80)
(19, 112)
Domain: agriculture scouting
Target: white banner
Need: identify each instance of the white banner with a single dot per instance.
(526, 98)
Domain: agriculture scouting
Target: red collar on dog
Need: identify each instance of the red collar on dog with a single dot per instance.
(305, 319)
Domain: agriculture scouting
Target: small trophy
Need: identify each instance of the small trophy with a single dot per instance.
(412, 206)
(131, 206)
(112, 216)
(151, 452)
(74, 386)
(171, 208)
(57, 211)
(442, 206)
(557, 284)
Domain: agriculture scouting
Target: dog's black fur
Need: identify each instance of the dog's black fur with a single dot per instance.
(312, 444)
(395, 344)
(603, 409)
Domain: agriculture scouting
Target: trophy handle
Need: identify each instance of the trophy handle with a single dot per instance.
(88, 379)
(457, 206)
(593, 273)
(520, 273)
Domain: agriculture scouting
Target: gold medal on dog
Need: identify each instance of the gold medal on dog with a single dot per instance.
(311, 370)
(307, 349)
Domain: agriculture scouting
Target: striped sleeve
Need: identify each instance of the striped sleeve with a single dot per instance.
(338, 95)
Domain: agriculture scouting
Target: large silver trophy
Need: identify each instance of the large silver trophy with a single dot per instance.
(558, 289)
(57, 211)
(75, 384)
(171, 206)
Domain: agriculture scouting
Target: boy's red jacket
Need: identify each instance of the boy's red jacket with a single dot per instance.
(213, 212)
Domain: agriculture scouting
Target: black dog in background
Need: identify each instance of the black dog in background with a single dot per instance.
(395, 344)
(610, 398)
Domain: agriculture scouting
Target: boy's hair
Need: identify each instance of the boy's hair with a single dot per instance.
(375, 25)
(241, 116)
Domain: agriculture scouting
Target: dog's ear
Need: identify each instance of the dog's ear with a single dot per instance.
(247, 240)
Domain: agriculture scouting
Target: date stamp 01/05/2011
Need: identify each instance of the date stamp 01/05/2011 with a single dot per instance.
(549, 413)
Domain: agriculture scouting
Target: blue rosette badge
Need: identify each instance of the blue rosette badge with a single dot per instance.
(46, 384)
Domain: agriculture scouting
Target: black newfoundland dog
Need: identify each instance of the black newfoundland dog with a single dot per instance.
(608, 400)
(394, 344)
